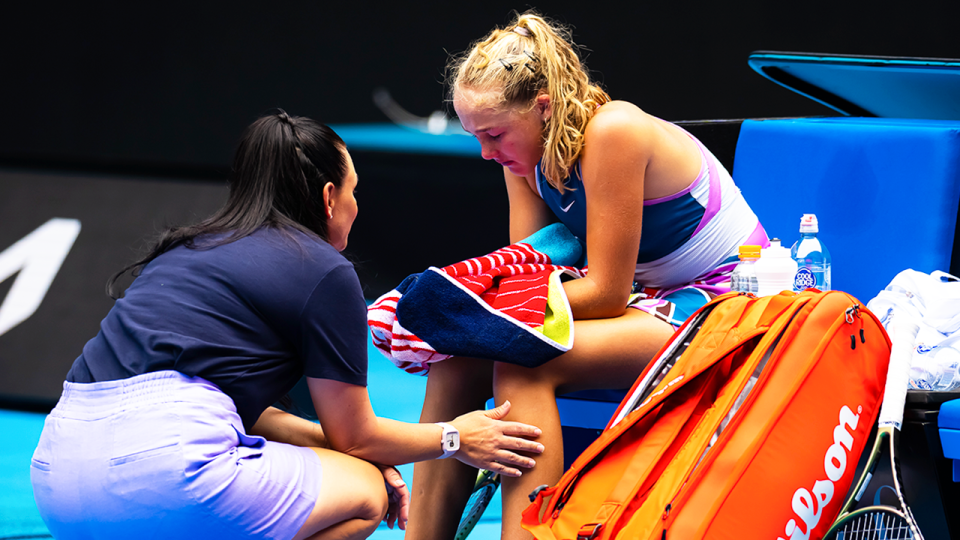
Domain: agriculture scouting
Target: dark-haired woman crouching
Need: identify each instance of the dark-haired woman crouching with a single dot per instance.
(165, 429)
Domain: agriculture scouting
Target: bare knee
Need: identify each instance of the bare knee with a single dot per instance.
(352, 498)
(370, 506)
(374, 494)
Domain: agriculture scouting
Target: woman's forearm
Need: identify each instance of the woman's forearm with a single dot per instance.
(279, 426)
(351, 427)
(485, 443)
(390, 442)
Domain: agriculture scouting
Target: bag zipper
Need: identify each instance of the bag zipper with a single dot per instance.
(850, 315)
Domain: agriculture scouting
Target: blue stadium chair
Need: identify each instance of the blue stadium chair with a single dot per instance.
(885, 191)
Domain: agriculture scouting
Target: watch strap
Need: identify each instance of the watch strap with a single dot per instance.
(449, 440)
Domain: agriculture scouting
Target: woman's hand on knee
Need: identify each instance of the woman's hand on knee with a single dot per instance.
(398, 495)
(487, 442)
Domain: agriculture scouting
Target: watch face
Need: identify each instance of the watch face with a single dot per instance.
(450, 441)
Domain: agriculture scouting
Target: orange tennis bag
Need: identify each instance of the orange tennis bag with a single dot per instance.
(748, 424)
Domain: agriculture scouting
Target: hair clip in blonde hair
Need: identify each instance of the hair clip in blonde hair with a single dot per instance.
(506, 65)
(522, 31)
(532, 58)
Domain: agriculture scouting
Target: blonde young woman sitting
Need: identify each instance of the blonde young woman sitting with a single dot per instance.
(657, 212)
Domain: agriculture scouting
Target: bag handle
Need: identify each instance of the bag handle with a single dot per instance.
(777, 304)
(530, 518)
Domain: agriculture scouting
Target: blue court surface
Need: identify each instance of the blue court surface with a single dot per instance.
(394, 394)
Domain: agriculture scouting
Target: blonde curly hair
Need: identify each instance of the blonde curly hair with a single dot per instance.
(529, 57)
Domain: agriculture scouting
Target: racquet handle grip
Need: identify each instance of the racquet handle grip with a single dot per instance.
(903, 335)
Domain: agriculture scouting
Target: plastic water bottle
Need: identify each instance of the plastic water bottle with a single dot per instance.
(744, 276)
(813, 259)
(775, 269)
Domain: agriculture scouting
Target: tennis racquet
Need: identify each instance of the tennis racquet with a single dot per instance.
(662, 365)
(884, 522)
(483, 490)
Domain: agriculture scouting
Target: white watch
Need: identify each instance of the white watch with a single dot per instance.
(449, 441)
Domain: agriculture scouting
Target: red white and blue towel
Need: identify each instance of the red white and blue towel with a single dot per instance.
(507, 306)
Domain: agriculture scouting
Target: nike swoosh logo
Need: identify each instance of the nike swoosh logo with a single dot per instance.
(568, 206)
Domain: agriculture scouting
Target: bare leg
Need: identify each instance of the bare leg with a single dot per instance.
(607, 353)
(441, 488)
(352, 500)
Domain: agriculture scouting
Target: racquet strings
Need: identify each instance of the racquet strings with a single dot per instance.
(667, 362)
(483, 492)
(876, 524)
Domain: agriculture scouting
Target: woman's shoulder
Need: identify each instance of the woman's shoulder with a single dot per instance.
(622, 127)
(283, 250)
(296, 261)
(619, 120)
(296, 244)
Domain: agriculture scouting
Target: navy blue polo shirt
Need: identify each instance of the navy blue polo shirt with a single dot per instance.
(250, 316)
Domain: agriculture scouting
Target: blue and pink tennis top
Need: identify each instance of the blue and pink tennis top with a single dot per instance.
(686, 236)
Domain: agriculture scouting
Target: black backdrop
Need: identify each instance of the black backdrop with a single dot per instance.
(124, 117)
(173, 83)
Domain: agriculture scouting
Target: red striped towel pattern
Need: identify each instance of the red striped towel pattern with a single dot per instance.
(513, 281)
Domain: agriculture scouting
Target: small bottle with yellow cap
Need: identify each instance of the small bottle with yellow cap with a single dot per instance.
(744, 276)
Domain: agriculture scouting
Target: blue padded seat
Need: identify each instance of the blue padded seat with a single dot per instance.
(884, 190)
(948, 422)
(590, 409)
